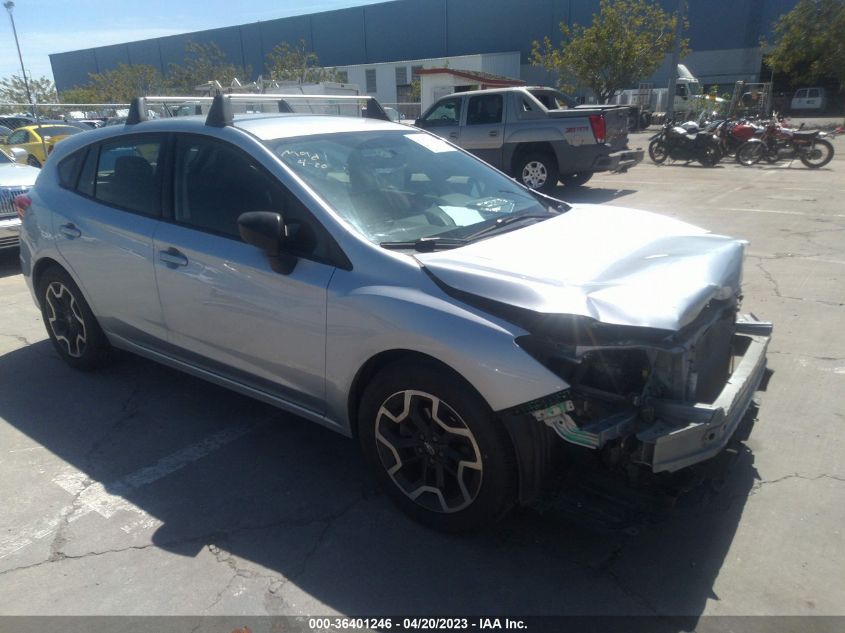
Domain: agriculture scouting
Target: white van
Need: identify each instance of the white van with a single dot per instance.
(809, 99)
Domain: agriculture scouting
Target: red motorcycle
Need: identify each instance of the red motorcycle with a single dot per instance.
(777, 142)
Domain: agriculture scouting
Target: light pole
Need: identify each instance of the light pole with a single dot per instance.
(9, 5)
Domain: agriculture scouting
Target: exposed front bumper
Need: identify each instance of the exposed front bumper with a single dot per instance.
(620, 161)
(10, 231)
(688, 433)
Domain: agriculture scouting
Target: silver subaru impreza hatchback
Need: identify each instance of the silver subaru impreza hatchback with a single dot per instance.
(378, 280)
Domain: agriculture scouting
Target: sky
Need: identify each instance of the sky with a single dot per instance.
(57, 26)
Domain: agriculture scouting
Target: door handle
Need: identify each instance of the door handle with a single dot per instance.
(173, 257)
(493, 133)
(70, 231)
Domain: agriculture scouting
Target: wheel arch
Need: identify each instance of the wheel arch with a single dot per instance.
(41, 266)
(383, 359)
(523, 149)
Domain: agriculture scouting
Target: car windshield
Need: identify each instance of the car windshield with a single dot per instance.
(397, 186)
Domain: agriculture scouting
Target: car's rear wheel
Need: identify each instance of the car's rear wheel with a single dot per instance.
(33, 162)
(537, 171)
(71, 325)
(437, 448)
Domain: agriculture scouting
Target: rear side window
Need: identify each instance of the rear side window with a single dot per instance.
(69, 168)
(126, 174)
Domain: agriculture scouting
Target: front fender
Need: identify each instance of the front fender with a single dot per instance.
(365, 321)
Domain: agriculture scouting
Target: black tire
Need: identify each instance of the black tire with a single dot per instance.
(537, 170)
(33, 162)
(473, 467)
(70, 324)
(711, 156)
(826, 149)
(750, 153)
(657, 151)
(576, 180)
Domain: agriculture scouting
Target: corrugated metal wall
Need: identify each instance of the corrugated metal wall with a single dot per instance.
(415, 29)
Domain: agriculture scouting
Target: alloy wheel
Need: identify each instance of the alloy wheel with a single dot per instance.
(428, 451)
(534, 174)
(65, 319)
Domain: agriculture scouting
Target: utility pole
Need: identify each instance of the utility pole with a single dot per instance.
(9, 5)
(676, 57)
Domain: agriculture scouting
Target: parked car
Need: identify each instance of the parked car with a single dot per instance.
(381, 282)
(537, 135)
(35, 138)
(15, 179)
(809, 99)
(16, 121)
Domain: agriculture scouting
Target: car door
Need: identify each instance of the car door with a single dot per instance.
(799, 101)
(444, 119)
(105, 231)
(226, 309)
(485, 127)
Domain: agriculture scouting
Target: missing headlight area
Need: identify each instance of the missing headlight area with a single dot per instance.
(652, 391)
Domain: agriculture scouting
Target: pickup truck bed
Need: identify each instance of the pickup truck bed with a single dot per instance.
(536, 135)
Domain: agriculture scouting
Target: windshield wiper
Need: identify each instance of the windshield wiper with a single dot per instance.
(426, 244)
(508, 220)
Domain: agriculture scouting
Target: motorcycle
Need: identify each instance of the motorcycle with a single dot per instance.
(684, 142)
(777, 142)
(732, 134)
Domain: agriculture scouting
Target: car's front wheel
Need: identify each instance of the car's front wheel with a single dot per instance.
(436, 448)
(71, 325)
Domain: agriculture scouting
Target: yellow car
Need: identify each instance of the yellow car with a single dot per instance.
(38, 140)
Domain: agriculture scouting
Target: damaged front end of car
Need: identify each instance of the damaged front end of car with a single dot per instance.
(661, 399)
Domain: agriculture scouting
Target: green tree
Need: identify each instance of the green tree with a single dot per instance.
(626, 43)
(118, 85)
(810, 42)
(203, 63)
(13, 90)
(297, 63)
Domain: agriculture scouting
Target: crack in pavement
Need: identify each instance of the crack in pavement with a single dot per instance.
(276, 582)
(17, 337)
(766, 482)
(769, 277)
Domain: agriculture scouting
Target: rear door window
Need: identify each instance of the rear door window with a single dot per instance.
(123, 173)
(484, 110)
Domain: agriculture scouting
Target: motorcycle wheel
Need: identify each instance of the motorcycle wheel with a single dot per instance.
(819, 155)
(749, 153)
(658, 152)
(710, 157)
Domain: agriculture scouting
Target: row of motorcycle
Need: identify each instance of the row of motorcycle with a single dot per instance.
(749, 141)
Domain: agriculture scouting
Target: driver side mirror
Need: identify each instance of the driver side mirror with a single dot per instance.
(18, 154)
(267, 230)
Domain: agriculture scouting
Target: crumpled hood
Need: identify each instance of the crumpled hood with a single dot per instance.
(616, 265)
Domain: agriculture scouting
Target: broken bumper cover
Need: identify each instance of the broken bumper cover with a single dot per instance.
(688, 433)
(619, 162)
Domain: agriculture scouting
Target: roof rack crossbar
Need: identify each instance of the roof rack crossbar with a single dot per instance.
(221, 115)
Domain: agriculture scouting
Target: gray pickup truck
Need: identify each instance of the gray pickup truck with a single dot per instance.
(537, 135)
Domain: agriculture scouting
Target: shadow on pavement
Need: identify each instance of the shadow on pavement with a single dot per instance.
(295, 498)
(10, 263)
(591, 195)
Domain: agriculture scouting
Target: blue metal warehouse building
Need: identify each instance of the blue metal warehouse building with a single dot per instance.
(724, 36)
